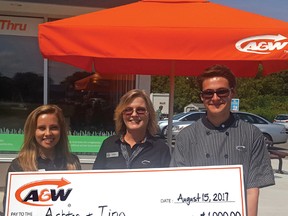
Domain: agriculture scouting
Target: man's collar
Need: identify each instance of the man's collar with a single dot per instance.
(223, 126)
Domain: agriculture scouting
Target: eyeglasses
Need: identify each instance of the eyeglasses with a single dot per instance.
(222, 92)
(138, 110)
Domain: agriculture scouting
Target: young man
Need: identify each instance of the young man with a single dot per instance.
(220, 139)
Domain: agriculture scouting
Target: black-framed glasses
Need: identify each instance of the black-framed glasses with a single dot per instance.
(221, 93)
(138, 110)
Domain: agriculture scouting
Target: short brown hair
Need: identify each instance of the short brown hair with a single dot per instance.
(217, 71)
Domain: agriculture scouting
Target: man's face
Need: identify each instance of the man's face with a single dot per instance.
(216, 96)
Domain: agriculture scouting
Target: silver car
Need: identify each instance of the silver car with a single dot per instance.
(282, 119)
(274, 133)
(180, 117)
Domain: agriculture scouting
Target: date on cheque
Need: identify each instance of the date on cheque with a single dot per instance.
(204, 197)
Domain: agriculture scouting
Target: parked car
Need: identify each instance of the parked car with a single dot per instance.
(282, 119)
(178, 126)
(180, 117)
(274, 133)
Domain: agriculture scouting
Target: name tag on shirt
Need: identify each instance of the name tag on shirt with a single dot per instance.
(112, 154)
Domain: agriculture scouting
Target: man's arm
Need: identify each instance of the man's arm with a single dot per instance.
(252, 201)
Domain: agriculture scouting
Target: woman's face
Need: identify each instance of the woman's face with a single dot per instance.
(136, 116)
(47, 132)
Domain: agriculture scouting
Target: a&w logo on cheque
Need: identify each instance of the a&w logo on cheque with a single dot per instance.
(43, 193)
(262, 44)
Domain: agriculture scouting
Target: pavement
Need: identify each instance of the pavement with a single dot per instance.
(272, 200)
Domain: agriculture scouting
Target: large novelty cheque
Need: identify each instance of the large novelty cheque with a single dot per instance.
(190, 191)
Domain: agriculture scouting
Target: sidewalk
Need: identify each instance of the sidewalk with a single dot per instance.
(273, 199)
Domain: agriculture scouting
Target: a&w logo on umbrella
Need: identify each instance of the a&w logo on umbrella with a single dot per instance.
(43, 193)
(262, 44)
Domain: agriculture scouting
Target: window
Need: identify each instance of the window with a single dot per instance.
(88, 100)
(193, 117)
(250, 118)
(21, 80)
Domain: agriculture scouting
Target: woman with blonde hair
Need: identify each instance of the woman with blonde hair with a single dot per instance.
(135, 144)
(45, 145)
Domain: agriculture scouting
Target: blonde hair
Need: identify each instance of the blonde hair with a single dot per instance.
(125, 100)
(29, 150)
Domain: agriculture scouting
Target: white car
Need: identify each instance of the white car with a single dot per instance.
(274, 133)
(281, 119)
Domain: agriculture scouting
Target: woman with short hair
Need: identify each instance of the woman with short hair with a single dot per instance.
(135, 144)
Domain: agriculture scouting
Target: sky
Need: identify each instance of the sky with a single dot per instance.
(272, 8)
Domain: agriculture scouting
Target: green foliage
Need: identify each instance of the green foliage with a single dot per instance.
(186, 91)
(160, 84)
(263, 95)
(266, 96)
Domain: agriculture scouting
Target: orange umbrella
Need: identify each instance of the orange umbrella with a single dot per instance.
(168, 37)
(147, 37)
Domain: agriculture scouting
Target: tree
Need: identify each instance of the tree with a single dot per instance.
(263, 95)
(29, 87)
(186, 90)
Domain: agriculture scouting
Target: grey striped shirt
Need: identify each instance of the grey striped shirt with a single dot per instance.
(234, 142)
